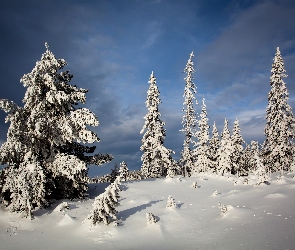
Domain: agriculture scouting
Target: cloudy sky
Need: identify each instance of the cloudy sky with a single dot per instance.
(112, 46)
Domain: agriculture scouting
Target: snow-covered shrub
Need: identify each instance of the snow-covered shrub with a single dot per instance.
(103, 207)
(189, 119)
(171, 202)
(156, 157)
(223, 208)
(150, 218)
(24, 188)
(215, 193)
(195, 184)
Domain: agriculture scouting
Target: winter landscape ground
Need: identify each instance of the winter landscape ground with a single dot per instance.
(257, 217)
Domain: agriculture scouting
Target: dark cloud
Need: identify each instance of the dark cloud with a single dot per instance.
(112, 46)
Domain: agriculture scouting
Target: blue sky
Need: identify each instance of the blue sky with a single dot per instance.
(112, 46)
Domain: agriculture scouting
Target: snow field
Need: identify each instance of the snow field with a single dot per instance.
(257, 217)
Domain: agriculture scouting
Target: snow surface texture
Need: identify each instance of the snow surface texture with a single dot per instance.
(240, 217)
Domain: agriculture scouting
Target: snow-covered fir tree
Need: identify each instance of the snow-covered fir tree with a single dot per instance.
(237, 146)
(225, 150)
(189, 119)
(214, 144)
(123, 171)
(43, 140)
(245, 158)
(173, 170)
(104, 205)
(260, 172)
(156, 157)
(114, 173)
(202, 150)
(280, 124)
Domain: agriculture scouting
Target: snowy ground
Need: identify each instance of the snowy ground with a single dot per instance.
(261, 217)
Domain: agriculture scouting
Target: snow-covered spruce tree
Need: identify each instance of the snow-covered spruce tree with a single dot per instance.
(260, 172)
(202, 150)
(237, 143)
(123, 171)
(214, 144)
(245, 159)
(43, 139)
(280, 124)
(225, 151)
(104, 205)
(115, 173)
(189, 119)
(156, 157)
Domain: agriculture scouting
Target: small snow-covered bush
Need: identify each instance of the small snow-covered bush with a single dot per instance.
(195, 184)
(223, 208)
(171, 202)
(215, 193)
(151, 219)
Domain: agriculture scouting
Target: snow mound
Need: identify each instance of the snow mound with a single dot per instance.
(66, 220)
(275, 195)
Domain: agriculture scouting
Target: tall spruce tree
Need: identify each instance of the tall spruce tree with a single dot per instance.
(280, 124)
(225, 151)
(189, 119)
(43, 140)
(214, 144)
(156, 157)
(237, 142)
(201, 151)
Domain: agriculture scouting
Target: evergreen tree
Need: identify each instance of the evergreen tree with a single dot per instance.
(156, 157)
(225, 151)
(115, 173)
(123, 171)
(214, 144)
(237, 142)
(189, 119)
(260, 171)
(43, 139)
(201, 151)
(280, 124)
(245, 161)
(104, 205)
